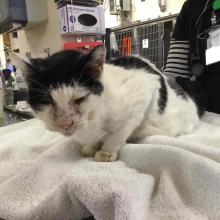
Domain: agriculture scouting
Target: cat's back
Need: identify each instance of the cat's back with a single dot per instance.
(134, 63)
(131, 70)
(131, 81)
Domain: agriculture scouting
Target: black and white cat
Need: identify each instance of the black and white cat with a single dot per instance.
(104, 105)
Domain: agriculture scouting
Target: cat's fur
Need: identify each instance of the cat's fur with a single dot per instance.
(104, 105)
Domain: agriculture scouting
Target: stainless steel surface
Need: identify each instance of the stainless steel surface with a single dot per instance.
(12, 116)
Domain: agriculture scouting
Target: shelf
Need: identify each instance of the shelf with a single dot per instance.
(88, 3)
(12, 109)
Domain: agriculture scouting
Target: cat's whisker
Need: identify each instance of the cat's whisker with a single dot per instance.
(40, 84)
(82, 84)
(38, 90)
(37, 96)
(82, 122)
(94, 131)
(81, 73)
(79, 77)
(100, 131)
(97, 133)
(42, 98)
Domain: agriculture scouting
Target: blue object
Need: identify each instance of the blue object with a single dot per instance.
(72, 19)
(10, 67)
(6, 73)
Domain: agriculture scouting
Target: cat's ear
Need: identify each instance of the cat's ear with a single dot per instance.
(37, 64)
(96, 60)
(28, 66)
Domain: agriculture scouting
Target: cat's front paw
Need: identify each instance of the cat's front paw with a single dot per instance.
(103, 156)
(88, 151)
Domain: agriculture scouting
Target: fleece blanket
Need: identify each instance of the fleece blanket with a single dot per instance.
(42, 176)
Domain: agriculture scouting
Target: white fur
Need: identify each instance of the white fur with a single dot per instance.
(127, 110)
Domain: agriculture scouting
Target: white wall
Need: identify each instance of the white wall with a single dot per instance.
(148, 9)
(2, 53)
(111, 20)
(45, 35)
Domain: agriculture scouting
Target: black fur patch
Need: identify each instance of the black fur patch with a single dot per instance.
(64, 67)
(178, 89)
(163, 98)
(131, 62)
(195, 90)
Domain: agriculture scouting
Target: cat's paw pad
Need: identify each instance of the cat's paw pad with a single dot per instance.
(88, 151)
(102, 156)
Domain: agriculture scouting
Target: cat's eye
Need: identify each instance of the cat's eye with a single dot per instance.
(80, 100)
(53, 103)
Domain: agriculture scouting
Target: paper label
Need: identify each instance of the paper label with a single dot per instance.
(213, 47)
(145, 43)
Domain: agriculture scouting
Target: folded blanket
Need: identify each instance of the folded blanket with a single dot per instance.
(42, 176)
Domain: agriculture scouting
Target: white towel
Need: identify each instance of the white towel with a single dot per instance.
(42, 176)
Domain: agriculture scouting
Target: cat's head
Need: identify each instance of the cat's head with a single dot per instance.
(65, 88)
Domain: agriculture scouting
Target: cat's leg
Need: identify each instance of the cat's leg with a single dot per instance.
(114, 142)
(89, 150)
(90, 143)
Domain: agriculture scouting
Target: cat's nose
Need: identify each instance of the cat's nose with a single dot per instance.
(64, 122)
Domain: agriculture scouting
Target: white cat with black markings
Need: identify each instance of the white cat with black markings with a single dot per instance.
(104, 105)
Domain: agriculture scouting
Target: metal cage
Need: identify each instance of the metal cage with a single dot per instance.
(150, 39)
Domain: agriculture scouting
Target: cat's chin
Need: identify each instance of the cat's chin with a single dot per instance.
(68, 133)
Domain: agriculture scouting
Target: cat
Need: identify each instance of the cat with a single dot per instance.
(102, 105)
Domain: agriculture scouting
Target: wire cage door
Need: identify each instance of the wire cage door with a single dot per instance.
(148, 39)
